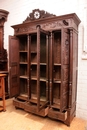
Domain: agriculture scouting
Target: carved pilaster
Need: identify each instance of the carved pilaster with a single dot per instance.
(51, 68)
(47, 69)
(70, 71)
(38, 67)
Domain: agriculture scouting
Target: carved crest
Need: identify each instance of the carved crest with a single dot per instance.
(38, 14)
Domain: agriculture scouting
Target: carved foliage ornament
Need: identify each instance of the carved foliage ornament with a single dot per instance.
(41, 14)
(38, 14)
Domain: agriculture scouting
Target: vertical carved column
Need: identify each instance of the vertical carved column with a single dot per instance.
(70, 71)
(28, 67)
(47, 64)
(51, 68)
(38, 68)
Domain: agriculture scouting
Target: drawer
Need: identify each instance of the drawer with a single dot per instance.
(55, 114)
(33, 109)
(18, 104)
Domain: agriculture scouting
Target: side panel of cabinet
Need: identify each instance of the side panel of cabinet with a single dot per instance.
(75, 67)
(13, 66)
(65, 69)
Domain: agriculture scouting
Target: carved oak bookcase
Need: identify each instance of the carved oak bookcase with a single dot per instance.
(43, 57)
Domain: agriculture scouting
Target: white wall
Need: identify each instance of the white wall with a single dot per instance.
(20, 9)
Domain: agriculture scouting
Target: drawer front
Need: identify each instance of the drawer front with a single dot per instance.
(18, 104)
(57, 115)
(33, 109)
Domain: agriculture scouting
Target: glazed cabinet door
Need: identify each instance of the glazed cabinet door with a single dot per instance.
(14, 65)
(39, 68)
(59, 71)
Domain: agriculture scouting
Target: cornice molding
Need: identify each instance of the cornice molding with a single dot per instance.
(3, 16)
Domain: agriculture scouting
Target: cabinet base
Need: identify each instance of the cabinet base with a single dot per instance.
(66, 117)
(30, 107)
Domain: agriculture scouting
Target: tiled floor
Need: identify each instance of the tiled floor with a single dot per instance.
(16, 119)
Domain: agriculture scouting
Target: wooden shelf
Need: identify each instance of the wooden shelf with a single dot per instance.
(56, 64)
(33, 52)
(33, 63)
(23, 62)
(23, 51)
(35, 101)
(56, 106)
(24, 76)
(57, 81)
(43, 63)
(3, 72)
(41, 79)
(22, 97)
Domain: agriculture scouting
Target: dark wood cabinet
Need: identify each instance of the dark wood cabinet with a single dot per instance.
(3, 52)
(43, 59)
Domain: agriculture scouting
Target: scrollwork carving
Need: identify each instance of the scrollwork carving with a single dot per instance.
(52, 25)
(38, 14)
(24, 29)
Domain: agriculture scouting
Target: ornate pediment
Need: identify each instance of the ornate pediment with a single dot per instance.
(38, 14)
